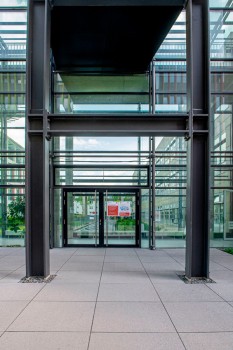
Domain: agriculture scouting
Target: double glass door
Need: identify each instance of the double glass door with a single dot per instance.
(101, 218)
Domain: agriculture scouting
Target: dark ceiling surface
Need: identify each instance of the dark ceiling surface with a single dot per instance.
(116, 39)
(118, 2)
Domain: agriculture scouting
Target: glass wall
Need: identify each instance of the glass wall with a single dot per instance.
(221, 41)
(13, 27)
(84, 93)
(170, 70)
(98, 93)
(126, 164)
(170, 194)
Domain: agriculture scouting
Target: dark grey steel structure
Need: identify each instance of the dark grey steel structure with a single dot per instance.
(43, 124)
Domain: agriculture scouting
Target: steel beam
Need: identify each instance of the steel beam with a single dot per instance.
(198, 75)
(37, 147)
(133, 124)
(117, 125)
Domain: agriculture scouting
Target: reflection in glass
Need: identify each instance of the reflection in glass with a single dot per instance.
(82, 218)
(12, 213)
(120, 219)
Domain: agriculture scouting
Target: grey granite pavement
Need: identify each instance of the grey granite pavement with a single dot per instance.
(115, 299)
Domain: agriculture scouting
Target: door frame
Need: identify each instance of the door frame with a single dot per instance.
(101, 191)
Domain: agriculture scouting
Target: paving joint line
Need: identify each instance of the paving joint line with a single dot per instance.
(163, 304)
(224, 300)
(89, 340)
(30, 301)
(67, 259)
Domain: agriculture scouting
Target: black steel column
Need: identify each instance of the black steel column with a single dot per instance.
(197, 222)
(37, 145)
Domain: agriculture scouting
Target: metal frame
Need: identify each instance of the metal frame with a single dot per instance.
(97, 166)
(37, 147)
(198, 169)
(42, 124)
(118, 124)
(102, 218)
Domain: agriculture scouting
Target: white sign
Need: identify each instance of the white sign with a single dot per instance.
(124, 209)
(119, 209)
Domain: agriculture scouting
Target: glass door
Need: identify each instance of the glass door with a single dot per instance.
(101, 218)
(82, 218)
(120, 224)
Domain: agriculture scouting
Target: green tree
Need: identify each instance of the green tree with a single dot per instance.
(16, 213)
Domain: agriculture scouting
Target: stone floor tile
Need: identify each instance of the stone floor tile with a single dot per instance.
(120, 251)
(210, 341)
(216, 267)
(13, 259)
(9, 310)
(135, 341)
(186, 292)
(77, 277)
(87, 259)
(224, 290)
(4, 273)
(124, 277)
(201, 317)
(44, 341)
(154, 253)
(90, 251)
(13, 277)
(19, 291)
(123, 266)
(225, 276)
(55, 316)
(121, 258)
(175, 252)
(125, 292)
(82, 266)
(162, 266)
(156, 259)
(7, 266)
(63, 251)
(226, 264)
(165, 277)
(131, 317)
(69, 292)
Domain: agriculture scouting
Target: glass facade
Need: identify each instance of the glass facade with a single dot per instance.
(221, 44)
(13, 29)
(104, 163)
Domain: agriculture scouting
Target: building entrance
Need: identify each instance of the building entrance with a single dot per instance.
(101, 217)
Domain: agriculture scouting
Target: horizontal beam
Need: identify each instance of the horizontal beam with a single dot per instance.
(117, 124)
(119, 2)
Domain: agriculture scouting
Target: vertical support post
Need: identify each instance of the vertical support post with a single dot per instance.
(153, 87)
(3, 191)
(198, 162)
(150, 88)
(149, 195)
(153, 160)
(139, 160)
(37, 145)
(153, 194)
(180, 200)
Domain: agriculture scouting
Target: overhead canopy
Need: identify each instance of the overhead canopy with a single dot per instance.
(116, 39)
(118, 3)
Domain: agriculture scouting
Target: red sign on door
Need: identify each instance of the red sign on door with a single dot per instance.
(112, 209)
